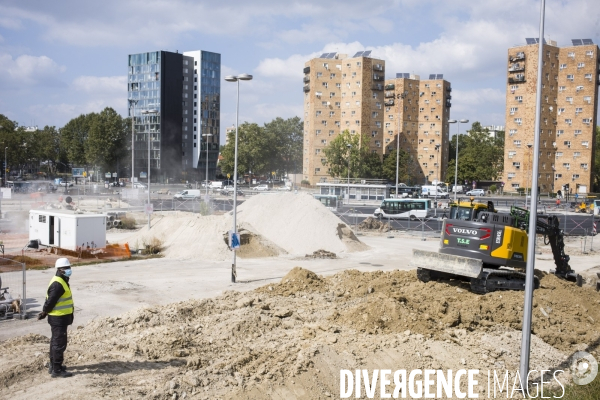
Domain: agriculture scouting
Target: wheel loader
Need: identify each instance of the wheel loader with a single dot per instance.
(489, 248)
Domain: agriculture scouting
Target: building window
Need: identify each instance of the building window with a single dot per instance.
(580, 65)
(517, 143)
(571, 77)
(563, 66)
(518, 121)
(519, 99)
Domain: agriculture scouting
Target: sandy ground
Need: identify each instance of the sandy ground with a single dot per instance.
(167, 328)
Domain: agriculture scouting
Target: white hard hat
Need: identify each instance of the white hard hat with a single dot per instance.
(62, 263)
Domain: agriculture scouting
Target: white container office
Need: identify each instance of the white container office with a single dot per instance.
(67, 229)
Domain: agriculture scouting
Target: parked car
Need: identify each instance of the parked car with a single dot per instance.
(476, 192)
(65, 183)
(261, 188)
(139, 185)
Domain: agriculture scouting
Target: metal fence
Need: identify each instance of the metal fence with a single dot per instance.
(13, 289)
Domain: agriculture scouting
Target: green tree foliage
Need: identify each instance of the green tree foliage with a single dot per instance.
(389, 166)
(106, 139)
(480, 156)
(274, 147)
(288, 134)
(353, 151)
(74, 135)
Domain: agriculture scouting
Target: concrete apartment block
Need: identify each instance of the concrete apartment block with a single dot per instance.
(340, 93)
(569, 103)
(419, 111)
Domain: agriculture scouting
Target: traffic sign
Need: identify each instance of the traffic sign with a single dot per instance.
(234, 240)
(148, 208)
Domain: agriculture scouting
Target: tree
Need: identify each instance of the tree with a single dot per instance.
(73, 137)
(106, 139)
(46, 147)
(389, 166)
(255, 150)
(358, 157)
(480, 156)
(287, 147)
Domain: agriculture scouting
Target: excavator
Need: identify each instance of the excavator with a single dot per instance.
(489, 248)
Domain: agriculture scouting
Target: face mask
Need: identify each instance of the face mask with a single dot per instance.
(68, 272)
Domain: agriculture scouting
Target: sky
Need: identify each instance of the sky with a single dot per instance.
(60, 59)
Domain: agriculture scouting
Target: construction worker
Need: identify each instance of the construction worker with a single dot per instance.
(59, 308)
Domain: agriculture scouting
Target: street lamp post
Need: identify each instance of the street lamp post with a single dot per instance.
(437, 180)
(457, 122)
(528, 189)
(234, 78)
(206, 135)
(401, 96)
(148, 112)
(349, 147)
(5, 169)
(132, 104)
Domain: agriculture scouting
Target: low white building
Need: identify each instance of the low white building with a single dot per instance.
(67, 229)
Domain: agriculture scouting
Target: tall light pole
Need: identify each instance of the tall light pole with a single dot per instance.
(132, 104)
(401, 96)
(206, 135)
(528, 189)
(349, 150)
(457, 122)
(5, 168)
(234, 78)
(149, 112)
(437, 180)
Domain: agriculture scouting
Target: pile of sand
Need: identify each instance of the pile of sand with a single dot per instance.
(270, 225)
(289, 340)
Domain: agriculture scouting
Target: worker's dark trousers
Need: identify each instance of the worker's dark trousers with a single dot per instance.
(58, 345)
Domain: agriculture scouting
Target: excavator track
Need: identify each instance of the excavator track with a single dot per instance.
(491, 280)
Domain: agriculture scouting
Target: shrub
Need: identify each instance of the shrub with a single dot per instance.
(152, 246)
(520, 190)
(493, 188)
(305, 182)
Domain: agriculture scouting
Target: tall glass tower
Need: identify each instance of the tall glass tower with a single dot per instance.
(174, 98)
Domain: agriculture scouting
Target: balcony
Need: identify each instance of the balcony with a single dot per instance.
(378, 77)
(390, 94)
(448, 98)
(306, 79)
(378, 67)
(390, 86)
(306, 88)
(389, 102)
(448, 104)
(448, 89)
(517, 57)
(306, 70)
(517, 79)
(377, 87)
(516, 67)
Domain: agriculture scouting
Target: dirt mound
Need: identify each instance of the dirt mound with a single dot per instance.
(290, 339)
(30, 338)
(373, 224)
(321, 254)
(282, 223)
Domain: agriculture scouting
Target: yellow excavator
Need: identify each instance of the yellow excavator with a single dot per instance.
(489, 248)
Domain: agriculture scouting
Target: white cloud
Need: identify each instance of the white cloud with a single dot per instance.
(29, 70)
(115, 85)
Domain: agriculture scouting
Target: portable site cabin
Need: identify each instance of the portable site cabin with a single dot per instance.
(67, 229)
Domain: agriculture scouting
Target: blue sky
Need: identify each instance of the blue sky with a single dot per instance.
(59, 59)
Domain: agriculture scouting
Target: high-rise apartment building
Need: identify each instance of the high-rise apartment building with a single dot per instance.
(175, 99)
(417, 112)
(351, 93)
(568, 115)
(340, 93)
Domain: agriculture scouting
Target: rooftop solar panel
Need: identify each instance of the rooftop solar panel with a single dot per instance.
(431, 76)
(358, 54)
(440, 76)
(576, 42)
(587, 41)
(367, 53)
(530, 40)
(324, 55)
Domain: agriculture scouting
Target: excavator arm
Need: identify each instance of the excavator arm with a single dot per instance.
(553, 235)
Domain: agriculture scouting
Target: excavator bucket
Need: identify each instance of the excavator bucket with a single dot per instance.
(446, 263)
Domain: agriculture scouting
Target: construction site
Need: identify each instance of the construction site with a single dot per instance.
(156, 315)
